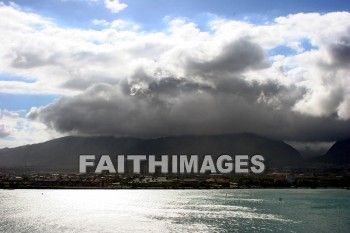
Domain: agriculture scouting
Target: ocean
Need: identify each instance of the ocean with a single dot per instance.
(234, 210)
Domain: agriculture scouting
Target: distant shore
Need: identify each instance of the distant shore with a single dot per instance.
(275, 179)
(160, 188)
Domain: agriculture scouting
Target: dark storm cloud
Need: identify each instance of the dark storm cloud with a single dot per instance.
(214, 98)
(235, 57)
(340, 52)
(103, 109)
(174, 86)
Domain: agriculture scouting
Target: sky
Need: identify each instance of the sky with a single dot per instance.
(157, 68)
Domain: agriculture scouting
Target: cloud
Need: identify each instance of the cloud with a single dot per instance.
(18, 130)
(329, 92)
(235, 57)
(183, 79)
(340, 52)
(311, 149)
(114, 5)
(117, 24)
(3, 131)
(175, 107)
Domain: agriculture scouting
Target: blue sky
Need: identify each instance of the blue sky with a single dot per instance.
(14, 101)
(150, 13)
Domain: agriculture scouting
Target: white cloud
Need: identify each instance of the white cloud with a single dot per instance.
(115, 6)
(117, 24)
(17, 130)
(101, 22)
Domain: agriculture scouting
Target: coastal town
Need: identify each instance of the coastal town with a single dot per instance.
(331, 178)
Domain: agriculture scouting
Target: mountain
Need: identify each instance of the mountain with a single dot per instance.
(62, 154)
(338, 154)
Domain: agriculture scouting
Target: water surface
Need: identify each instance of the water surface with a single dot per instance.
(289, 210)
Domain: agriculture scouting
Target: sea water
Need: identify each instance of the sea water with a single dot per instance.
(234, 210)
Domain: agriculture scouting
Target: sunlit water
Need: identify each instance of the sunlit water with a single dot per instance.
(174, 211)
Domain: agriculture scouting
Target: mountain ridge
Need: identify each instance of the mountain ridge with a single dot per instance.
(62, 154)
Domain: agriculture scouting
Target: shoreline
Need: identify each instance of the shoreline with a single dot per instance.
(155, 188)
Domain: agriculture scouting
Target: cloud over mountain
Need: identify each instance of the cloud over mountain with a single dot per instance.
(230, 78)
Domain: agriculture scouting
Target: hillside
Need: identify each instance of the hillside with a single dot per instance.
(338, 154)
(62, 154)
